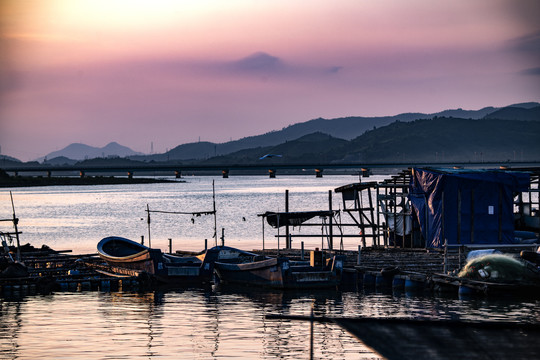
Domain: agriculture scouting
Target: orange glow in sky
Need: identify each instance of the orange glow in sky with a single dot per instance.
(85, 71)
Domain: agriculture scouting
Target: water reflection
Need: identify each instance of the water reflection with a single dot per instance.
(219, 322)
(77, 217)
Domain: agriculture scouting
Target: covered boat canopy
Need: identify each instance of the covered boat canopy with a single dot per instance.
(466, 206)
(279, 219)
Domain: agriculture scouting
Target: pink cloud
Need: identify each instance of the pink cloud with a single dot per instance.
(230, 72)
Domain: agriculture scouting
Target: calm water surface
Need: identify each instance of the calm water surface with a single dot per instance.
(215, 323)
(212, 323)
(77, 217)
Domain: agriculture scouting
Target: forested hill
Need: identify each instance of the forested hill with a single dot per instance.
(450, 139)
(347, 128)
(440, 139)
(470, 135)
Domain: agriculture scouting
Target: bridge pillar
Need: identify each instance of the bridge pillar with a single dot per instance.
(225, 173)
(272, 173)
(81, 173)
(365, 172)
(49, 173)
(130, 174)
(178, 174)
(318, 173)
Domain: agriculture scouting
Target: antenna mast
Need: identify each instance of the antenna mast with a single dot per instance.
(15, 222)
(215, 212)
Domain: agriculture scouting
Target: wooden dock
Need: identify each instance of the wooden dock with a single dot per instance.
(428, 271)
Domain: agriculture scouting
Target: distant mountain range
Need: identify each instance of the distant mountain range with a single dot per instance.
(346, 128)
(79, 151)
(466, 135)
(442, 139)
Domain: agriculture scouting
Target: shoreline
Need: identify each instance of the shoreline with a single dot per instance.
(28, 181)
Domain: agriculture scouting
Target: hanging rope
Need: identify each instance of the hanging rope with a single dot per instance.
(197, 213)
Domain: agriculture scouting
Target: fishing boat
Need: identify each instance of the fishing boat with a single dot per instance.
(281, 273)
(127, 257)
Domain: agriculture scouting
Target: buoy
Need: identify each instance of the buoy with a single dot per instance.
(105, 286)
(369, 279)
(383, 280)
(413, 285)
(398, 282)
(465, 290)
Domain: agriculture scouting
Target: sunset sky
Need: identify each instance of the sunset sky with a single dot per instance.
(172, 72)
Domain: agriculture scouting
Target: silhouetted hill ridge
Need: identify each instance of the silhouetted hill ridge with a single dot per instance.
(345, 128)
(78, 151)
(516, 113)
(425, 140)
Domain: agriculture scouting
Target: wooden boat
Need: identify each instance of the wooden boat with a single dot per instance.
(128, 257)
(281, 273)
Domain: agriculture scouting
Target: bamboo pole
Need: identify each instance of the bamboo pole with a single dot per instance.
(15, 222)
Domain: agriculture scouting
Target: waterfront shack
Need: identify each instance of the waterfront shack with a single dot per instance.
(466, 207)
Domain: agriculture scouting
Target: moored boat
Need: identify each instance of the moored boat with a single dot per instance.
(281, 273)
(125, 256)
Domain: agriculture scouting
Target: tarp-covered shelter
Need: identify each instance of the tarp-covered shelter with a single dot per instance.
(466, 206)
(278, 219)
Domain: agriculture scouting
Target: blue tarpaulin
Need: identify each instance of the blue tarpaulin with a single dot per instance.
(466, 206)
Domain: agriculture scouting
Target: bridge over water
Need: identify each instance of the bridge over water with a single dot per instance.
(225, 169)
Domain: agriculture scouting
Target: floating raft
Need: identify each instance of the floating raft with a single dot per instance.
(48, 271)
(447, 283)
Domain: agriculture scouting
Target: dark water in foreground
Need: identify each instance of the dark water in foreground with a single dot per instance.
(218, 323)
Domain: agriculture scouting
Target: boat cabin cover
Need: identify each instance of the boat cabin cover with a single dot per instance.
(466, 206)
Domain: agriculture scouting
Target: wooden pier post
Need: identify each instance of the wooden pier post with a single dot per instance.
(445, 262)
(500, 209)
(311, 321)
(148, 221)
(330, 222)
(287, 235)
(458, 216)
(472, 216)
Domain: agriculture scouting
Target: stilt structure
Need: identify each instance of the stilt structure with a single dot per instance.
(394, 211)
(358, 203)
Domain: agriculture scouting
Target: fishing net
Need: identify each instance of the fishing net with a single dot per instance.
(497, 267)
